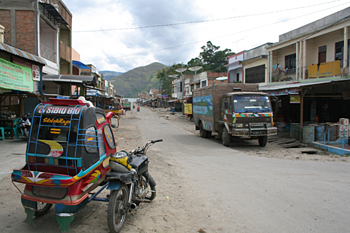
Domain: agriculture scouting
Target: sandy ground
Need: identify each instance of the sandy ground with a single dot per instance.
(170, 212)
(274, 148)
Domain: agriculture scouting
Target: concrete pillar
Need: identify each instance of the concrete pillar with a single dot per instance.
(270, 66)
(297, 60)
(300, 59)
(345, 54)
(304, 59)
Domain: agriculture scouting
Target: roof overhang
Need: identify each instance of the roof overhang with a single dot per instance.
(299, 85)
(90, 80)
(21, 53)
(52, 11)
(254, 59)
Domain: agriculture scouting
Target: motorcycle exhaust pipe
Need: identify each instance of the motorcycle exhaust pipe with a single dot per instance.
(133, 206)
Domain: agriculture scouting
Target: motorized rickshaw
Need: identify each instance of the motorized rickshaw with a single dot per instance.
(67, 156)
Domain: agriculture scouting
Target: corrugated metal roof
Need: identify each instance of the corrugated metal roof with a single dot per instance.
(298, 85)
(21, 53)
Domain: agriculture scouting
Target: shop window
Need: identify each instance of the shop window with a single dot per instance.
(339, 46)
(255, 74)
(290, 62)
(322, 54)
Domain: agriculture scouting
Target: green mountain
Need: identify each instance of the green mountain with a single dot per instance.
(108, 74)
(137, 80)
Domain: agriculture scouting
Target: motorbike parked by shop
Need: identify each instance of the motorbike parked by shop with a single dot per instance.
(24, 125)
(131, 184)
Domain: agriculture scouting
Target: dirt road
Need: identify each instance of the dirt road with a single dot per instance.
(203, 186)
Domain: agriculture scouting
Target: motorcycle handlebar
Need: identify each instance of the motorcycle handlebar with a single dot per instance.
(156, 140)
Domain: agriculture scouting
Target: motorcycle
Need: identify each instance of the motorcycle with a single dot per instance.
(130, 184)
(138, 108)
(24, 125)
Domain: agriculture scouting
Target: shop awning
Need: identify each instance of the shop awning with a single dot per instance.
(90, 80)
(21, 53)
(293, 88)
(80, 65)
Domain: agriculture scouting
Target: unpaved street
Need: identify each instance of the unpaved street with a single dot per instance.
(203, 186)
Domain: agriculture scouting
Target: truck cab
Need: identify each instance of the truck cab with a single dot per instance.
(247, 115)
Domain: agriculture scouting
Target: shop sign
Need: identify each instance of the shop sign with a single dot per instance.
(290, 91)
(15, 77)
(295, 99)
(36, 73)
(164, 96)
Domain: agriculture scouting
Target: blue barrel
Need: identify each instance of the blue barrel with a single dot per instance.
(308, 134)
(295, 130)
(320, 132)
(173, 109)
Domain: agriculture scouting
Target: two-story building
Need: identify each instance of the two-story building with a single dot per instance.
(307, 72)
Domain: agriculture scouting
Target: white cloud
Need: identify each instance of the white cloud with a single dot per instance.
(122, 50)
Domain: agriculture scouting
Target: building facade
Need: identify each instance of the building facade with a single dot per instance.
(42, 28)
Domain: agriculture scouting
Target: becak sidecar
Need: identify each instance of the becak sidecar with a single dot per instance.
(67, 156)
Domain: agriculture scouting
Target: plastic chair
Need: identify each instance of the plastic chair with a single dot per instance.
(2, 129)
(14, 128)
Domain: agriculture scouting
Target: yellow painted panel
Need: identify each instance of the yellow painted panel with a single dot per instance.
(331, 68)
(188, 108)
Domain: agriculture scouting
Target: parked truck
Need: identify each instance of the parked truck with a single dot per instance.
(233, 111)
(126, 105)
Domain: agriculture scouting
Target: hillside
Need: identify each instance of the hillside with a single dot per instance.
(137, 80)
(108, 74)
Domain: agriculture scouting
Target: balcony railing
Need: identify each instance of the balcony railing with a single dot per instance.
(65, 52)
(47, 53)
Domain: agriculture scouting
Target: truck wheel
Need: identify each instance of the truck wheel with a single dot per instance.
(202, 132)
(226, 137)
(262, 141)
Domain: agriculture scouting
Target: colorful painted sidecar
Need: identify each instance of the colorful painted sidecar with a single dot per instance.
(67, 156)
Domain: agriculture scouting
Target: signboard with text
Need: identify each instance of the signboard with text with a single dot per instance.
(15, 77)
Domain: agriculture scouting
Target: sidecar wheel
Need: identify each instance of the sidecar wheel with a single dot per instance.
(43, 208)
(117, 209)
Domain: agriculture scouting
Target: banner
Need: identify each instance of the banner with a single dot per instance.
(203, 105)
(294, 99)
(15, 77)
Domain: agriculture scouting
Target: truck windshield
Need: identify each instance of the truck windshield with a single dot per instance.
(251, 103)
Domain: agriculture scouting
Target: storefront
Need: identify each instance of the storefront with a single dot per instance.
(20, 81)
(321, 102)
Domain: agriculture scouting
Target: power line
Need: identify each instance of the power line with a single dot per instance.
(205, 21)
(176, 46)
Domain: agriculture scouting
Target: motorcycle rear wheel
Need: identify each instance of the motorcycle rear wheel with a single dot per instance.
(117, 209)
(149, 189)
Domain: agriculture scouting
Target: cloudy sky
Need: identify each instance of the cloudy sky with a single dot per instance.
(120, 35)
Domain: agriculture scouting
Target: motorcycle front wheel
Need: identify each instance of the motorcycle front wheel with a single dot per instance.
(117, 209)
(42, 209)
(26, 132)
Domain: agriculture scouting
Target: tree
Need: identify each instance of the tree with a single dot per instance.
(165, 80)
(211, 58)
